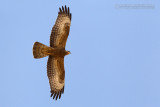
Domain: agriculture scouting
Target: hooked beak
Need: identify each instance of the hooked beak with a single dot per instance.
(68, 52)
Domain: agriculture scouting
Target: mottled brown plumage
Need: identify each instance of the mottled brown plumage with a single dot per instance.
(56, 52)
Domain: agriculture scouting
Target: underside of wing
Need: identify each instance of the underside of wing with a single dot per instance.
(60, 30)
(56, 76)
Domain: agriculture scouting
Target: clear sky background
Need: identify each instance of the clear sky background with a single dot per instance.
(114, 61)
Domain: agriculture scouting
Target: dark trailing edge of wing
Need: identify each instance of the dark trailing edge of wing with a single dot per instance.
(66, 11)
(57, 94)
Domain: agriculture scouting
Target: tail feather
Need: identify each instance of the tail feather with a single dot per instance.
(40, 50)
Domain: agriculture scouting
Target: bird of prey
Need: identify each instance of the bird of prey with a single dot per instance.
(56, 52)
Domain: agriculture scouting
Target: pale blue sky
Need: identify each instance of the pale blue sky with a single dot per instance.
(114, 61)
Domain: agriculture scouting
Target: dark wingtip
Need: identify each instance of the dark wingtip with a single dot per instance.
(62, 90)
(54, 95)
(68, 11)
(65, 10)
(70, 16)
(57, 95)
(51, 94)
(62, 9)
(60, 95)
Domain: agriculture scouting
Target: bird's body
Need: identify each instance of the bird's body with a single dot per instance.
(56, 52)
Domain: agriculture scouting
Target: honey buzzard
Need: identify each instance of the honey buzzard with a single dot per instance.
(56, 52)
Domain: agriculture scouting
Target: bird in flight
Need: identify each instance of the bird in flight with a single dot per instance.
(56, 52)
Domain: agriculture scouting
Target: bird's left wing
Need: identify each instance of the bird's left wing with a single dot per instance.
(56, 75)
(60, 30)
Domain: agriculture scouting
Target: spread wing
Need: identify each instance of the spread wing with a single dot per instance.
(60, 30)
(56, 75)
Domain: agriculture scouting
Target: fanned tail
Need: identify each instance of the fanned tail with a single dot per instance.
(40, 50)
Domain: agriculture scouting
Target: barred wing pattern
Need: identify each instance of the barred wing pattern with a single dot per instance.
(60, 30)
(56, 75)
(58, 39)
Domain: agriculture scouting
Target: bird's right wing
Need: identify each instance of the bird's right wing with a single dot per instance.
(56, 75)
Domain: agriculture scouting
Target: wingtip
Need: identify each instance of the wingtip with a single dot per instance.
(62, 9)
(57, 95)
(65, 10)
(70, 16)
(60, 95)
(54, 96)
